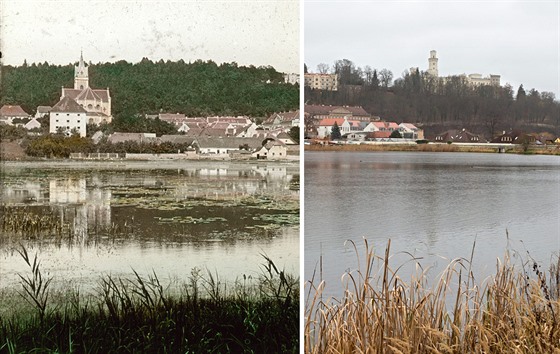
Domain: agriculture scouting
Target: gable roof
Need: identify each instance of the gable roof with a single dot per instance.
(228, 143)
(89, 95)
(102, 94)
(43, 109)
(409, 126)
(327, 122)
(322, 110)
(12, 111)
(283, 117)
(68, 105)
(138, 137)
(177, 139)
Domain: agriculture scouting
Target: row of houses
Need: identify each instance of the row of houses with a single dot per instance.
(360, 130)
(355, 124)
(270, 147)
(69, 116)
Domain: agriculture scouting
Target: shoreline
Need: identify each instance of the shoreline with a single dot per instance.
(510, 149)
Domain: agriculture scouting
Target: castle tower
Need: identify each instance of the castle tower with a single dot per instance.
(432, 64)
(81, 80)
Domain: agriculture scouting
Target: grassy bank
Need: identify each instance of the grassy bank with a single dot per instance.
(517, 310)
(140, 315)
(433, 148)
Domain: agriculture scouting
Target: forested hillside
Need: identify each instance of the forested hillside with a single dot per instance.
(417, 97)
(196, 89)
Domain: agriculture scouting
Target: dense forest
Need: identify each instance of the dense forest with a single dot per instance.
(417, 97)
(196, 89)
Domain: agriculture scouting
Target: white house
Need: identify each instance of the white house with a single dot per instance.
(68, 115)
(32, 124)
(225, 145)
(272, 150)
(346, 126)
(249, 131)
(410, 131)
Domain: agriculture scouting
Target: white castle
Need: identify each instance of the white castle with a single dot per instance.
(472, 79)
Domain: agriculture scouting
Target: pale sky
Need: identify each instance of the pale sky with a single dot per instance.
(249, 32)
(519, 40)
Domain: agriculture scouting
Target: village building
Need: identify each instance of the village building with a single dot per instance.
(284, 138)
(272, 150)
(284, 120)
(96, 102)
(140, 138)
(69, 117)
(291, 78)
(345, 125)
(314, 114)
(224, 146)
(42, 111)
(13, 115)
(410, 131)
(32, 124)
(327, 82)
(514, 137)
(459, 136)
(177, 119)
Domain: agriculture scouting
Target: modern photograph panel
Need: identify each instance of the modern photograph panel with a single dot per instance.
(432, 144)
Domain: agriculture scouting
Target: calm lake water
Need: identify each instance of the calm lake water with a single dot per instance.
(165, 217)
(431, 205)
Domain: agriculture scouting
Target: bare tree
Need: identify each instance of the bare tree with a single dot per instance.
(323, 68)
(386, 77)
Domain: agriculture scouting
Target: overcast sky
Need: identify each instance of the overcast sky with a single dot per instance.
(518, 40)
(247, 32)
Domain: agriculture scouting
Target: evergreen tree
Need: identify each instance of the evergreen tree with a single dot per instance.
(335, 132)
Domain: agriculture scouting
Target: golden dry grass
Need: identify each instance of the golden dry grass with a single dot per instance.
(380, 312)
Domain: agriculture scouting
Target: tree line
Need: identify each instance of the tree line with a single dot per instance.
(200, 88)
(418, 97)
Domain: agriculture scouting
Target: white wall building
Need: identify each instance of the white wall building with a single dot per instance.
(321, 81)
(68, 115)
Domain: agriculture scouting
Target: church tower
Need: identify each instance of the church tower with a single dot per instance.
(432, 64)
(81, 80)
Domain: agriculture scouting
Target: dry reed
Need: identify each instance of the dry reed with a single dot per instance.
(380, 312)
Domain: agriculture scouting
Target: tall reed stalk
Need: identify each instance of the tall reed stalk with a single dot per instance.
(381, 312)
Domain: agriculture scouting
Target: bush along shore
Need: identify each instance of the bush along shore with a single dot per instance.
(140, 315)
(517, 310)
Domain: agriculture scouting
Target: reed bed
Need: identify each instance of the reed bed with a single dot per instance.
(140, 315)
(517, 310)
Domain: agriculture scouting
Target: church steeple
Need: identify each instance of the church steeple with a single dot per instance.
(81, 79)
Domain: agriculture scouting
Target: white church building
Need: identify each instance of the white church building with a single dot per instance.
(96, 102)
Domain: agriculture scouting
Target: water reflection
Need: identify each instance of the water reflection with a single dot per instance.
(169, 217)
